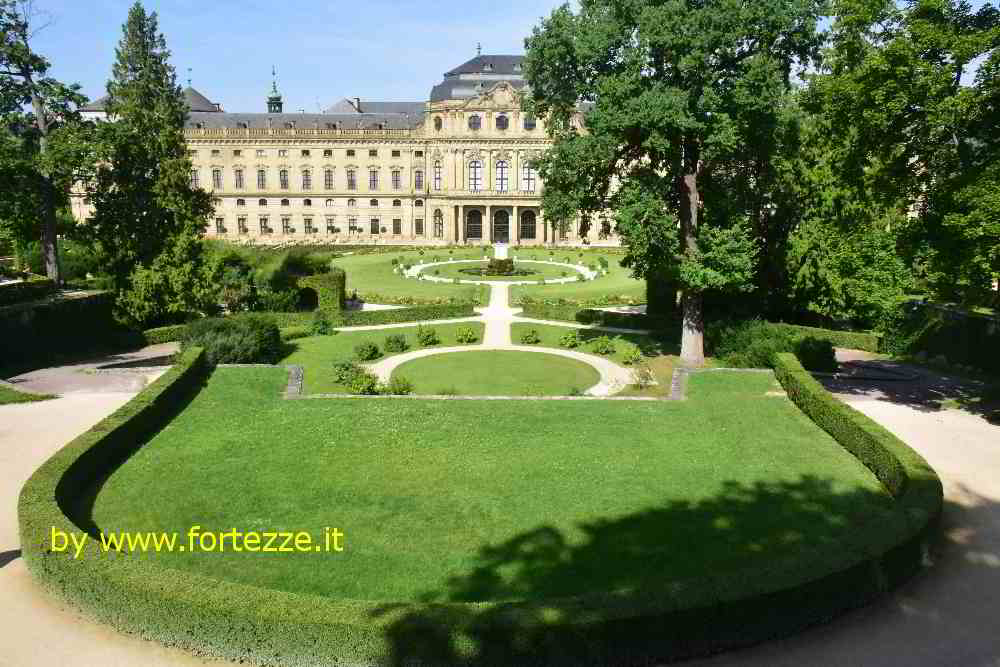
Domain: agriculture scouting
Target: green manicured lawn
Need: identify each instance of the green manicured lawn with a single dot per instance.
(316, 354)
(498, 373)
(373, 277)
(538, 271)
(8, 396)
(615, 288)
(472, 500)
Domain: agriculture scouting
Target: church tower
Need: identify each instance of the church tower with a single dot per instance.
(274, 103)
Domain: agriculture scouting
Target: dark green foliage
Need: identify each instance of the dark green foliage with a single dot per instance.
(602, 345)
(236, 285)
(293, 333)
(933, 331)
(500, 267)
(363, 383)
(35, 287)
(570, 339)
(412, 314)
(754, 344)
(574, 313)
(367, 352)
(816, 355)
(631, 354)
(330, 288)
(426, 336)
(397, 386)
(396, 343)
(241, 339)
(169, 334)
(278, 301)
(852, 340)
(321, 325)
(530, 337)
(344, 371)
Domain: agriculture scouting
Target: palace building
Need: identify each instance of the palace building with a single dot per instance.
(455, 169)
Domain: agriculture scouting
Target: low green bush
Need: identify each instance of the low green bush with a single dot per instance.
(427, 336)
(168, 334)
(247, 338)
(816, 355)
(568, 312)
(395, 343)
(279, 301)
(530, 337)
(853, 340)
(631, 354)
(754, 344)
(366, 351)
(321, 325)
(603, 345)
(466, 335)
(402, 315)
(294, 333)
(35, 287)
(570, 339)
(396, 386)
(364, 383)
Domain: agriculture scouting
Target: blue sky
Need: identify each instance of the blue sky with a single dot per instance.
(323, 51)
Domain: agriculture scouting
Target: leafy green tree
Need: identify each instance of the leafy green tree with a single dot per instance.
(670, 93)
(895, 87)
(148, 219)
(43, 144)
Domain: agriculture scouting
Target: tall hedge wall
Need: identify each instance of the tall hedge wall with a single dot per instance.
(35, 287)
(937, 331)
(677, 618)
(854, 340)
(331, 287)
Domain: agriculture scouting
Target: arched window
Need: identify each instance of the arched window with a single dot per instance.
(437, 123)
(238, 178)
(475, 122)
(329, 203)
(261, 179)
(437, 175)
(528, 225)
(307, 202)
(217, 179)
(285, 202)
(502, 122)
(352, 203)
(241, 202)
(352, 179)
(328, 179)
(283, 179)
(528, 178)
(373, 203)
(475, 176)
(262, 202)
(307, 180)
(438, 224)
(418, 179)
(373, 178)
(501, 176)
(396, 203)
(419, 203)
(474, 224)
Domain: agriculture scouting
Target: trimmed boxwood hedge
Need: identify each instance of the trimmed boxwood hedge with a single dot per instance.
(854, 340)
(604, 318)
(676, 619)
(353, 318)
(330, 287)
(35, 287)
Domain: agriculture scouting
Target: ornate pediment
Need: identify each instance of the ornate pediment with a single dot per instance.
(501, 97)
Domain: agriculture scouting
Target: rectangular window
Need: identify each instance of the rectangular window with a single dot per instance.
(237, 153)
(283, 179)
(418, 154)
(307, 181)
(331, 224)
(241, 224)
(397, 226)
(261, 179)
(305, 152)
(328, 179)
(528, 177)
(261, 152)
(418, 226)
(373, 179)
(352, 180)
(395, 153)
(352, 225)
(373, 227)
(373, 153)
(397, 180)
(215, 153)
(418, 180)
(350, 152)
(308, 224)
(438, 225)
(437, 175)
(217, 179)
(194, 178)
(327, 153)
(220, 225)
(282, 152)
(475, 176)
(238, 179)
(563, 231)
(264, 228)
(286, 225)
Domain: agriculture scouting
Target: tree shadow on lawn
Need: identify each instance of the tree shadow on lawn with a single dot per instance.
(747, 535)
(658, 343)
(921, 388)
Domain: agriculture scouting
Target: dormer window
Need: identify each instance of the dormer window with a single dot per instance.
(437, 123)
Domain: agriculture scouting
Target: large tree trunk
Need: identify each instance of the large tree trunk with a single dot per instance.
(693, 327)
(49, 236)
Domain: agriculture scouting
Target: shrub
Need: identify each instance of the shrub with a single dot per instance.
(321, 325)
(427, 336)
(278, 301)
(344, 371)
(366, 351)
(247, 338)
(414, 314)
(643, 376)
(500, 267)
(294, 333)
(396, 343)
(570, 339)
(816, 355)
(631, 354)
(575, 391)
(397, 386)
(466, 335)
(603, 345)
(363, 383)
(530, 337)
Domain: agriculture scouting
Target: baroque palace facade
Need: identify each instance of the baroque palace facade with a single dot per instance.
(453, 170)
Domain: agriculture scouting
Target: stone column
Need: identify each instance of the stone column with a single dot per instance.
(488, 223)
(459, 226)
(515, 232)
